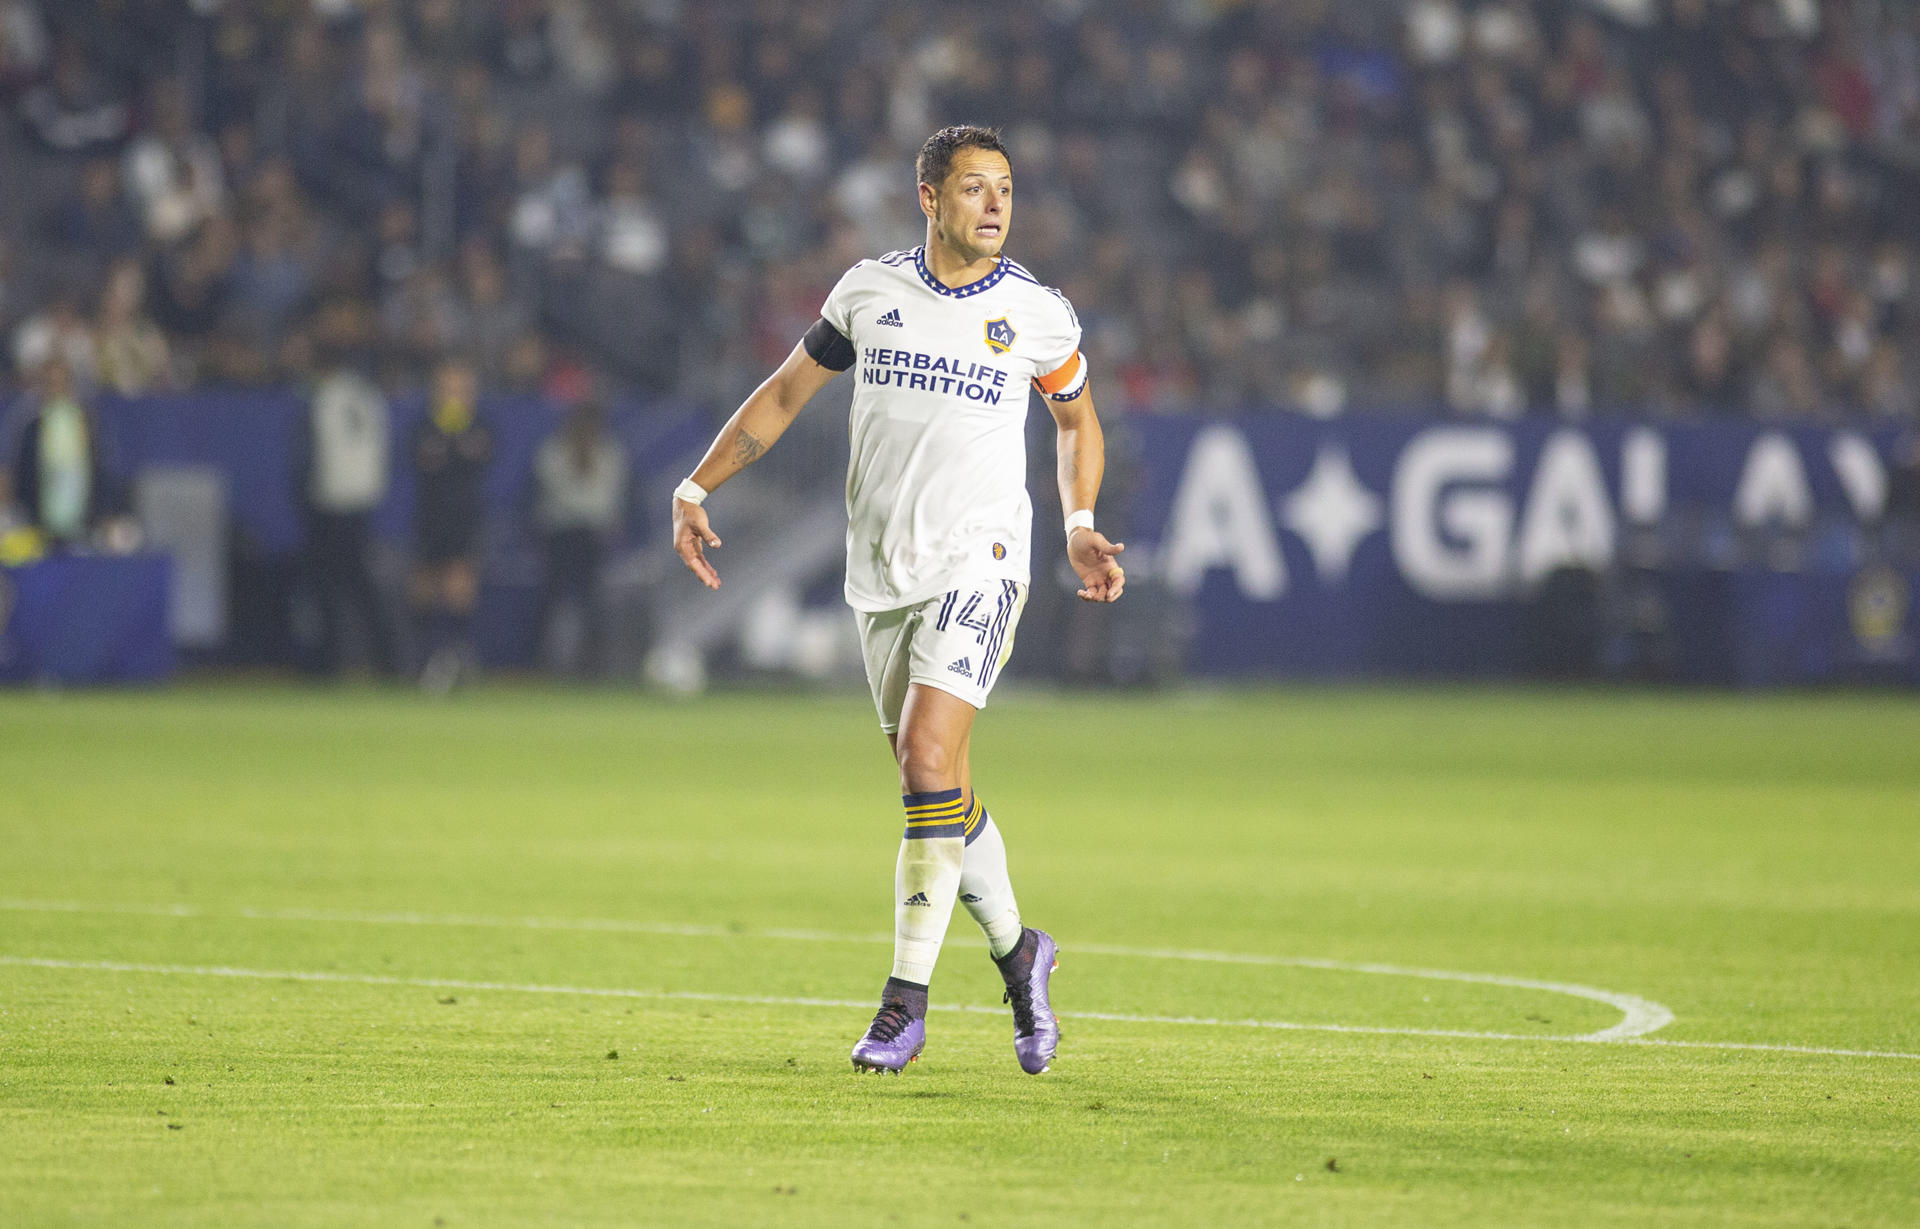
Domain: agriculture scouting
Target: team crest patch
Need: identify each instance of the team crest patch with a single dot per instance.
(999, 551)
(999, 335)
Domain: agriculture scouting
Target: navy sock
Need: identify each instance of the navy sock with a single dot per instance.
(1017, 964)
(910, 995)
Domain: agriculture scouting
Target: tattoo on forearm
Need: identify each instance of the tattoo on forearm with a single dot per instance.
(747, 449)
(1071, 464)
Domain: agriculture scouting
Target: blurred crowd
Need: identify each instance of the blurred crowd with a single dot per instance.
(1500, 206)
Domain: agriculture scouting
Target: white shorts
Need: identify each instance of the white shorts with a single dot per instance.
(957, 642)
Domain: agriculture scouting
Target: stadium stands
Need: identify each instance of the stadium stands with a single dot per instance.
(1685, 207)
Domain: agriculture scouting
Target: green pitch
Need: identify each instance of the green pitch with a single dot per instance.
(320, 958)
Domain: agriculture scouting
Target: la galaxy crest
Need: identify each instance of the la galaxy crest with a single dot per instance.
(999, 335)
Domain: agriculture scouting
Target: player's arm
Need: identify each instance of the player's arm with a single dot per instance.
(761, 420)
(1082, 463)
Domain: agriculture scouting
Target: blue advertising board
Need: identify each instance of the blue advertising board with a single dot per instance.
(86, 619)
(1376, 545)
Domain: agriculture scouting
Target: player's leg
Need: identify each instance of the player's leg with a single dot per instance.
(985, 888)
(934, 726)
(1025, 957)
(898, 1031)
(926, 878)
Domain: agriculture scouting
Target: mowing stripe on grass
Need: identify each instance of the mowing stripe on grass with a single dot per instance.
(1638, 1016)
(697, 996)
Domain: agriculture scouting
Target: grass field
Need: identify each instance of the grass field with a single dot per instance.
(296, 957)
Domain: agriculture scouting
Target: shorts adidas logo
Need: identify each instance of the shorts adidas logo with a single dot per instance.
(918, 898)
(963, 668)
(892, 318)
(969, 898)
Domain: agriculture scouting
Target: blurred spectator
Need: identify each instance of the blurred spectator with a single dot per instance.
(1901, 516)
(10, 293)
(345, 480)
(129, 349)
(174, 172)
(580, 482)
(23, 43)
(380, 123)
(1887, 389)
(633, 236)
(271, 283)
(193, 281)
(60, 482)
(484, 318)
(75, 110)
(95, 221)
(451, 451)
(59, 332)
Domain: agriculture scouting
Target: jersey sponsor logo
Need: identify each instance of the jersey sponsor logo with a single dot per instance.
(892, 318)
(999, 550)
(932, 373)
(1000, 335)
(963, 668)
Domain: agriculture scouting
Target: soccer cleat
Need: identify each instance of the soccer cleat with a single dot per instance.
(1036, 1030)
(894, 1039)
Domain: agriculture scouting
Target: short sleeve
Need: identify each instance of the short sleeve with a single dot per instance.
(1059, 370)
(838, 309)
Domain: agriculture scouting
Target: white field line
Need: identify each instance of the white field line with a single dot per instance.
(1639, 1016)
(696, 996)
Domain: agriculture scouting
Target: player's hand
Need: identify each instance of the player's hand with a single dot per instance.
(691, 537)
(1092, 557)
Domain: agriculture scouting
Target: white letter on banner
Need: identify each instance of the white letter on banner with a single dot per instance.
(1643, 476)
(1568, 519)
(1773, 486)
(1220, 520)
(1481, 520)
(1861, 472)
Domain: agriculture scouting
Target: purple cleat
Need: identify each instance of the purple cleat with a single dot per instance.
(1036, 1030)
(894, 1039)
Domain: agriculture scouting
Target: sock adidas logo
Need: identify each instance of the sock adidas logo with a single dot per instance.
(892, 318)
(963, 667)
(918, 898)
(969, 898)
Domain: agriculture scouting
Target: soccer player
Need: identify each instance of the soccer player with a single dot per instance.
(945, 340)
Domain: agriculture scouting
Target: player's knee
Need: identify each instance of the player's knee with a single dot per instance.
(926, 762)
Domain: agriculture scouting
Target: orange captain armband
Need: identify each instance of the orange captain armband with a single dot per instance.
(1066, 381)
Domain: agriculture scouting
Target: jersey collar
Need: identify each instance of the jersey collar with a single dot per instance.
(934, 284)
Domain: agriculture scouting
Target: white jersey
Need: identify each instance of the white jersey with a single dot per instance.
(937, 479)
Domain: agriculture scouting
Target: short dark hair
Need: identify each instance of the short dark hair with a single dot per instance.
(936, 156)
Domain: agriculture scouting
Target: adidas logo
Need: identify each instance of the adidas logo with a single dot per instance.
(918, 898)
(963, 668)
(893, 318)
(968, 898)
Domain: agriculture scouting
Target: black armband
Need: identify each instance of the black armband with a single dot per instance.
(828, 347)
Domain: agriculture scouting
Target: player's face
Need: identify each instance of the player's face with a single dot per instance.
(974, 207)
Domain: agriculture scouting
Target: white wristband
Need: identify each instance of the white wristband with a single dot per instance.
(690, 491)
(1083, 519)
